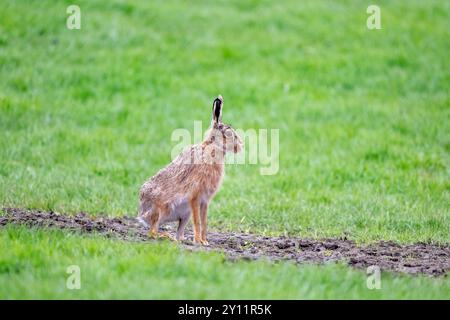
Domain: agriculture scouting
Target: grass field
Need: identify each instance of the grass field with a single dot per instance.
(35, 266)
(86, 116)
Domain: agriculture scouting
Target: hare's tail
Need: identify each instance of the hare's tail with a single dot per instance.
(142, 221)
(144, 208)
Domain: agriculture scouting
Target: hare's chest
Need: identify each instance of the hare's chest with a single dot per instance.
(212, 181)
(209, 190)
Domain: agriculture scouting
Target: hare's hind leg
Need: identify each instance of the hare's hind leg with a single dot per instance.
(154, 223)
(155, 219)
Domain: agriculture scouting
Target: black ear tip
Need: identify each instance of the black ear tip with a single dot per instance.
(217, 108)
(217, 103)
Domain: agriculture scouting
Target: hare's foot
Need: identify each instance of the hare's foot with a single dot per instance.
(201, 241)
(166, 235)
(197, 240)
(152, 234)
(160, 235)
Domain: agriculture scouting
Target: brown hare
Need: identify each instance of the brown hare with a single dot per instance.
(189, 182)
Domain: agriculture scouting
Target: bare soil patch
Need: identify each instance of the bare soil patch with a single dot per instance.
(419, 258)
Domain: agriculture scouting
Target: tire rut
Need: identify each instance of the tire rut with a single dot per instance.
(419, 258)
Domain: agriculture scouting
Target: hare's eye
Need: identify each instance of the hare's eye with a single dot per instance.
(228, 133)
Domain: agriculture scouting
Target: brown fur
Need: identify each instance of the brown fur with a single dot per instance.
(190, 181)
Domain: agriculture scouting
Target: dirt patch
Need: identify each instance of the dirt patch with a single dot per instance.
(419, 258)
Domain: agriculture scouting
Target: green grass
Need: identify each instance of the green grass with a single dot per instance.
(114, 269)
(86, 117)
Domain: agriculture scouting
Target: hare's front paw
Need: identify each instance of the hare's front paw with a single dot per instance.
(197, 240)
(200, 241)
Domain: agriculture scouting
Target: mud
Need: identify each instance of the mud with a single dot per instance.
(420, 258)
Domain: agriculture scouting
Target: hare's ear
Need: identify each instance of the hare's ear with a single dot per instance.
(217, 109)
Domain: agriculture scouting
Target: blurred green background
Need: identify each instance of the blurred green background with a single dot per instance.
(86, 115)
